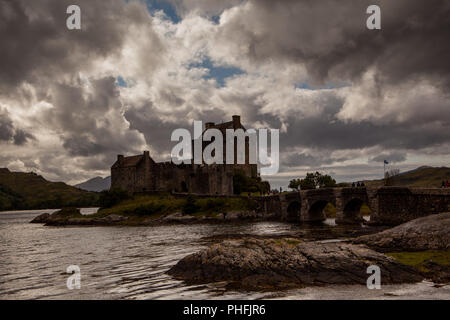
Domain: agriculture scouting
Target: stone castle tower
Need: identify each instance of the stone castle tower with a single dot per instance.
(141, 173)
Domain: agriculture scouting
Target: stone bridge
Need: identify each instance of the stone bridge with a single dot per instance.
(388, 205)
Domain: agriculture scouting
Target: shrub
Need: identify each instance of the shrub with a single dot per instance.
(190, 206)
(109, 198)
(148, 209)
(215, 204)
(243, 183)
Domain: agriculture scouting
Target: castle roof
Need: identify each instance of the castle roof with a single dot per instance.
(132, 161)
(224, 126)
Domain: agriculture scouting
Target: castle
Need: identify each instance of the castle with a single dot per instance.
(141, 173)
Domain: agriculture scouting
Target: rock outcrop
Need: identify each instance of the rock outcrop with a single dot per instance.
(42, 218)
(283, 263)
(73, 217)
(430, 232)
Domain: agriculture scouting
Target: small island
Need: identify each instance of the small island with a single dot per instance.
(158, 209)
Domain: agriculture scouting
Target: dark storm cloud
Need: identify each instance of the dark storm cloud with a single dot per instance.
(326, 132)
(158, 131)
(21, 137)
(331, 37)
(8, 131)
(6, 126)
(308, 160)
(85, 122)
(392, 157)
(36, 44)
(320, 133)
(94, 123)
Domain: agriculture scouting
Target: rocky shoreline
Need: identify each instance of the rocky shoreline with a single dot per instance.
(282, 262)
(255, 264)
(426, 233)
(72, 217)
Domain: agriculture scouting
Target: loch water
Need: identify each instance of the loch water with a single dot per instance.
(131, 262)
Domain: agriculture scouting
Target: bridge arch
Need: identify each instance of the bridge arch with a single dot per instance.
(293, 211)
(351, 212)
(315, 211)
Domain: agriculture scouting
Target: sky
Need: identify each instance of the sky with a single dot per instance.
(345, 98)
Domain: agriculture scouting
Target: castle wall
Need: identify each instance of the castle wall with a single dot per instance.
(141, 174)
(124, 178)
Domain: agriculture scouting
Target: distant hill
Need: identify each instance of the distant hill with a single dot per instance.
(21, 191)
(96, 184)
(421, 177)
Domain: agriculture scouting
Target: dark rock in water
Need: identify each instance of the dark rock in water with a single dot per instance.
(110, 219)
(73, 217)
(59, 217)
(430, 232)
(42, 218)
(285, 263)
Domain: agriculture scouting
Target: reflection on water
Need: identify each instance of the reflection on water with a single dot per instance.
(131, 262)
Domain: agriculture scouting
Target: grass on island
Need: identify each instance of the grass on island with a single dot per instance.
(420, 258)
(156, 206)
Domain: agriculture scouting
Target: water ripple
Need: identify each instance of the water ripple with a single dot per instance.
(131, 262)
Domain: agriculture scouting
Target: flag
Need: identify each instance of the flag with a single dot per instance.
(386, 162)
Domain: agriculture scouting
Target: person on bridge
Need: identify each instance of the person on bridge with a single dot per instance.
(362, 184)
(447, 184)
(443, 184)
(353, 185)
(358, 184)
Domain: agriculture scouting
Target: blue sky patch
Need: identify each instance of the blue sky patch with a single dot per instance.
(166, 7)
(128, 83)
(219, 73)
(121, 82)
(216, 19)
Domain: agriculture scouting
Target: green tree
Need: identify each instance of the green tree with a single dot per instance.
(313, 181)
(324, 181)
(294, 184)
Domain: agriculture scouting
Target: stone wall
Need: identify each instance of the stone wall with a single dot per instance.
(397, 205)
(124, 178)
(388, 205)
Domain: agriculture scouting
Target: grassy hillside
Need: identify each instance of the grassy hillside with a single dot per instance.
(19, 191)
(420, 177)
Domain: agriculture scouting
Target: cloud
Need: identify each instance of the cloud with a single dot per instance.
(341, 95)
(331, 39)
(8, 131)
(392, 157)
